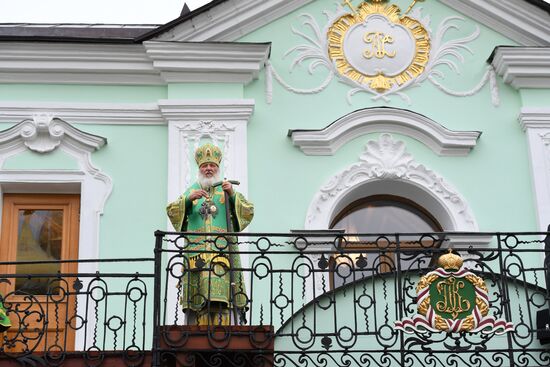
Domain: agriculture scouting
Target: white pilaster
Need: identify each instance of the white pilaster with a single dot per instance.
(536, 124)
(190, 122)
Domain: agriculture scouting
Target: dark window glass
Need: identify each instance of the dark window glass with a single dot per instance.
(39, 239)
(364, 255)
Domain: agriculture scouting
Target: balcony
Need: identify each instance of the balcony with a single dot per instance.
(305, 299)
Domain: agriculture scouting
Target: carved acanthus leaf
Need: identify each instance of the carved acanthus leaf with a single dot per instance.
(387, 159)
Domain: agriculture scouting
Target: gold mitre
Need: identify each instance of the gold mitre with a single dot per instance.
(450, 261)
(208, 153)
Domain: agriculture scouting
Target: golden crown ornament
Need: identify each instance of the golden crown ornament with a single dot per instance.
(450, 261)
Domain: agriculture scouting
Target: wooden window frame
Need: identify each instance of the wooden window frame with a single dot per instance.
(70, 205)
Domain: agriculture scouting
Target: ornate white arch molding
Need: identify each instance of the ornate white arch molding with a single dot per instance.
(390, 120)
(386, 168)
(44, 134)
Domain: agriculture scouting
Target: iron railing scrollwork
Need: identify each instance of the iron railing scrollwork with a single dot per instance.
(309, 299)
(87, 316)
(333, 299)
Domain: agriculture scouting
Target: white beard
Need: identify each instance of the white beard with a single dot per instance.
(207, 182)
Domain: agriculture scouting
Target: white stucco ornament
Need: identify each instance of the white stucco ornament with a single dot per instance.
(376, 48)
(385, 165)
(42, 134)
(363, 49)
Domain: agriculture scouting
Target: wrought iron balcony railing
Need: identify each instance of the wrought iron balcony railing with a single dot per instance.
(299, 299)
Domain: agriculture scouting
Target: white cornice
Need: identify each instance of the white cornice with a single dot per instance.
(203, 110)
(152, 63)
(534, 118)
(523, 67)
(82, 113)
(518, 20)
(389, 120)
(131, 113)
(204, 62)
(231, 20)
(72, 63)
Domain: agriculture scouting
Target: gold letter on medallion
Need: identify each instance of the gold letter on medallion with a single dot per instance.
(452, 300)
(378, 41)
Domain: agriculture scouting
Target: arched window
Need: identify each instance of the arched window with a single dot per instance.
(364, 255)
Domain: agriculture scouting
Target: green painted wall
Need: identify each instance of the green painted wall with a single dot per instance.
(135, 158)
(535, 97)
(492, 179)
(205, 91)
(29, 160)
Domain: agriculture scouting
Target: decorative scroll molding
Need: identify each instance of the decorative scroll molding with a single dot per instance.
(223, 122)
(150, 63)
(44, 134)
(523, 67)
(518, 20)
(231, 20)
(536, 123)
(391, 120)
(386, 167)
(444, 52)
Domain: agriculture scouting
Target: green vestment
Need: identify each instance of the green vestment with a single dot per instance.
(4, 319)
(206, 275)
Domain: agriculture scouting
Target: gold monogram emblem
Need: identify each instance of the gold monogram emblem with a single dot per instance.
(378, 41)
(453, 299)
(452, 302)
(370, 13)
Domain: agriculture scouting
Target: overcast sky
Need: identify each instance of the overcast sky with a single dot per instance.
(94, 11)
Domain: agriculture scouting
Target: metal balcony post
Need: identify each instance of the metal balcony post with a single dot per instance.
(156, 301)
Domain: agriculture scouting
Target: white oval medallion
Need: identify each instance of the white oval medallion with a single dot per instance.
(379, 46)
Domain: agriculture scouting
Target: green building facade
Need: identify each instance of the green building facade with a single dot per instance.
(442, 105)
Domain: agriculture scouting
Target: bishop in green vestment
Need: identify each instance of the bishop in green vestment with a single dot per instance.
(206, 292)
